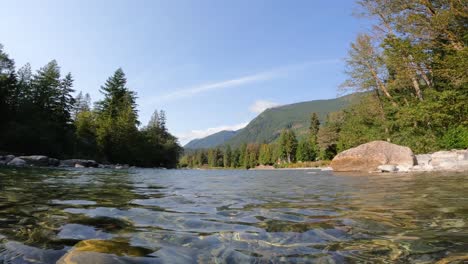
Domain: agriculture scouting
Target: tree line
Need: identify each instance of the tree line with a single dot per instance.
(288, 148)
(40, 115)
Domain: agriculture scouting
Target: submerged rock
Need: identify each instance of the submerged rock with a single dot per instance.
(80, 162)
(369, 156)
(106, 251)
(387, 168)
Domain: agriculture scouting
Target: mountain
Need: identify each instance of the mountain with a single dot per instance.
(211, 140)
(267, 126)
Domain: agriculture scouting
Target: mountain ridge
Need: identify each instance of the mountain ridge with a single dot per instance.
(267, 126)
(212, 140)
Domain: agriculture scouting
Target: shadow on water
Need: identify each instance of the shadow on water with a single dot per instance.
(171, 216)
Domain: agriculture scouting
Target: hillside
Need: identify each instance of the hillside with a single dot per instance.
(268, 125)
(211, 140)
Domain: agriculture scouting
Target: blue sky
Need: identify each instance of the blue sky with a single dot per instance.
(210, 65)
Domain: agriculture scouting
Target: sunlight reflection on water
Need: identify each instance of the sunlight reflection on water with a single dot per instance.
(174, 216)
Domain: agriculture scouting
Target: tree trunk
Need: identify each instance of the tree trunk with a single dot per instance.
(380, 84)
(424, 76)
(416, 87)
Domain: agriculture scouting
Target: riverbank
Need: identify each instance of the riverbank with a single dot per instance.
(382, 156)
(451, 160)
(45, 161)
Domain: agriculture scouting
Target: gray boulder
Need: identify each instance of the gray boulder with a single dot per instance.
(8, 158)
(17, 162)
(36, 160)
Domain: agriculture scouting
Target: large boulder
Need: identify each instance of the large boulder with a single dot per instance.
(369, 156)
(17, 162)
(36, 160)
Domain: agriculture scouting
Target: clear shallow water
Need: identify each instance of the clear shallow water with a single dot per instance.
(198, 216)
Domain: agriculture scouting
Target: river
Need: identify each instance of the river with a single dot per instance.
(230, 216)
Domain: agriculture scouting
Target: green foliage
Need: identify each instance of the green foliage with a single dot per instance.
(305, 152)
(455, 138)
(415, 68)
(314, 128)
(359, 124)
(288, 145)
(85, 124)
(227, 157)
(266, 155)
(41, 116)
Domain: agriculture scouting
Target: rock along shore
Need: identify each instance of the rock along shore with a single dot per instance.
(44, 161)
(382, 156)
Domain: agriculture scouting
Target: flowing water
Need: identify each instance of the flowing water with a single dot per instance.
(222, 216)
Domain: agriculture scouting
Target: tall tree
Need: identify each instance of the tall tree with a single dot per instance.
(288, 145)
(227, 156)
(117, 119)
(265, 155)
(8, 88)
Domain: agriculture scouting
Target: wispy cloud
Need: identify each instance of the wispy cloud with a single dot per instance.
(218, 85)
(184, 138)
(261, 105)
(243, 80)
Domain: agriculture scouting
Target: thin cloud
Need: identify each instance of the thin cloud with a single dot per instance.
(261, 105)
(184, 138)
(243, 80)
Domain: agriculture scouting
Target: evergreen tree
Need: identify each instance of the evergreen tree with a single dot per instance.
(288, 145)
(314, 127)
(86, 145)
(243, 159)
(265, 155)
(82, 104)
(227, 156)
(304, 151)
(117, 120)
(236, 158)
(251, 156)
(8, 87)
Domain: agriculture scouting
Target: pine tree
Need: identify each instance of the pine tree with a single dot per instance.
(227, 156)
(265, 155)
(117, 120)
(288, 145)
(236, 157)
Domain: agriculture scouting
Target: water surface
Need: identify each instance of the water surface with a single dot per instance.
(211, 216)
